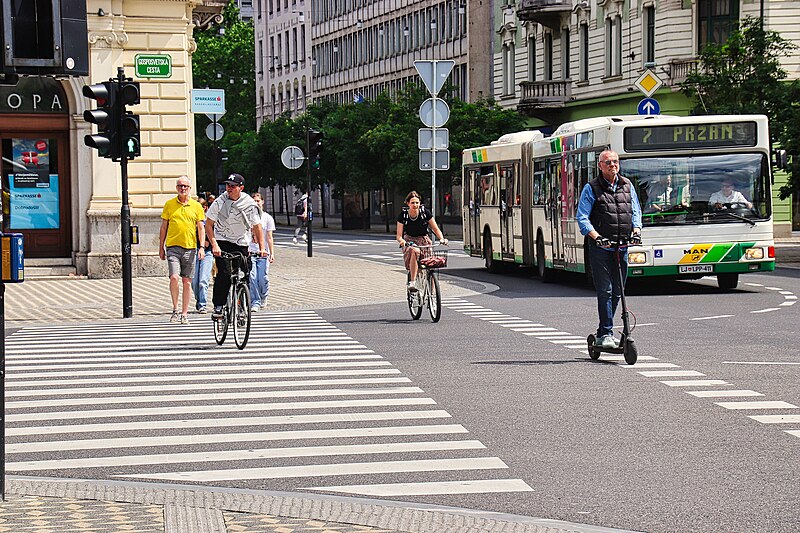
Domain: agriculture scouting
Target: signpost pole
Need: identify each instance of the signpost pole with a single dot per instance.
(433, 166)
(127, 270)
(308, 191)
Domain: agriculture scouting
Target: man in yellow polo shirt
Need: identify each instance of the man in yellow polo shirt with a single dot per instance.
(181, 229)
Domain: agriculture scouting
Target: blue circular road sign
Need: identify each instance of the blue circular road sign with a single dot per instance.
(648, 106)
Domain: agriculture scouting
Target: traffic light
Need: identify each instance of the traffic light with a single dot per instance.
(129, 123)
(106, 117)
(315, 147)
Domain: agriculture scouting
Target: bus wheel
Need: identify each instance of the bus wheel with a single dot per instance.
(488, 259)
(545, 274)
(727, 281)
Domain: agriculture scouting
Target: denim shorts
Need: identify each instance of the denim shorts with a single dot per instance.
(181, 261)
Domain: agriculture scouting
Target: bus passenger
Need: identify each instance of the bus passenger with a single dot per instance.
(727, 196)
(412, 227)
(609, 209)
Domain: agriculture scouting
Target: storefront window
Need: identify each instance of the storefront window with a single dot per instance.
(30, 184)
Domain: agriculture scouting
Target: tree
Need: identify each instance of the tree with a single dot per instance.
(744, 75)
(225, 59)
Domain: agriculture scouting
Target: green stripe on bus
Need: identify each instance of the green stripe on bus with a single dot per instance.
(518, 259)
(737, 252)
(716, 253)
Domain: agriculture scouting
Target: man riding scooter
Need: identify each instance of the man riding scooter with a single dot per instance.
(609, 211)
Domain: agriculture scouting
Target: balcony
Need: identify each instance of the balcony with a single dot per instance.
(545, 12)
(552, 94)
(678, 68)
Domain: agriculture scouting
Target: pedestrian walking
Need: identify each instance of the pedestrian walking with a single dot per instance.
(301, 212)
(202, 271)
(181, 230)
(259, 273)
(608, 210)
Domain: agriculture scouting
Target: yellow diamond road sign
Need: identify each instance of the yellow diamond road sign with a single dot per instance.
(648, 83)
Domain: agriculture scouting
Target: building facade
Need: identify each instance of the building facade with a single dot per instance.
(70, 217)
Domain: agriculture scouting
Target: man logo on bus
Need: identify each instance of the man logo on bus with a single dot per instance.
(696, 251)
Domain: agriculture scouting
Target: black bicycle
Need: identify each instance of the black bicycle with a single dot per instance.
(236, 311)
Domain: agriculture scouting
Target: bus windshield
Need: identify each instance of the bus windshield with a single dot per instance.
(701, 189)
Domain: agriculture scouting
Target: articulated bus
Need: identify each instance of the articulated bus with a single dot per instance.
(521, 195)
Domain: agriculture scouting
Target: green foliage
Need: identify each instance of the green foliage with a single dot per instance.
(218, 60)
(744, 75)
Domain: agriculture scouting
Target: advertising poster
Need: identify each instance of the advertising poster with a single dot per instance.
(33, 192)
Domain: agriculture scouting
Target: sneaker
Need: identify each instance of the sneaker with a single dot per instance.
(255, 308)
(202, 310)
(184, 319)
(305, 238)
(175, 317)
(264, 307)
(412, 286)
(217, 313)
(606, 341)
(294, 240)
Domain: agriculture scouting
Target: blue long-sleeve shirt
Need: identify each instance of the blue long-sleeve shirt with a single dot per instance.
(586, 203)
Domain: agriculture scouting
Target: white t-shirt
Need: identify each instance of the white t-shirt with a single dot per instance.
(735, 198)
(267, 224)
(233, 219)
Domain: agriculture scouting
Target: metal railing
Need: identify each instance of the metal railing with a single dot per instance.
(551, 93)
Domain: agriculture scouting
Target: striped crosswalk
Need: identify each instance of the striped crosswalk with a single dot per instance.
(304, 407)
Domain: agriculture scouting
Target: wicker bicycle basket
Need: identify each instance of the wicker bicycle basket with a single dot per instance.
(436, 259)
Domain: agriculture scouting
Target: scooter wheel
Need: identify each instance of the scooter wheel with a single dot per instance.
(594, 353)
(630, 352)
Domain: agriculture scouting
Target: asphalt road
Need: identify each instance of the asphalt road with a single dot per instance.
(602, 443)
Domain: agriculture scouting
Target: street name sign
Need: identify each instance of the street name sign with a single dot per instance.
(648, 106)
(434, 73)
(208, 101)
(153, 65)
(648, 82)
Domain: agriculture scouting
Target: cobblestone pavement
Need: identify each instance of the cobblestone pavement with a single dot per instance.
(296, 282)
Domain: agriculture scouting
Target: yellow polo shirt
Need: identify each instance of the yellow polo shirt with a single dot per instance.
(182, 218)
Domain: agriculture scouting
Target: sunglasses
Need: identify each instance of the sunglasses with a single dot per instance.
(184, 186)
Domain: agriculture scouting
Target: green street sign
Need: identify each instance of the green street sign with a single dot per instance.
(153, 66)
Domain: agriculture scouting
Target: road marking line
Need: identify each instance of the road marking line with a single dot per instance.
(711, 317)
(164, 439)
(609, 357)
(331, 469)
(766, 310)
(722, 393)
(671, 373)
(215, 438)
(794, 432)
(761, 362)
(786, 292)
(652, 365)
(790, 297)
(578, 346)
(773, 288)
(195, 409)
(430, 488)
(784, 304)
(754, 284)
(694, 382)
(211, 396)
(757, 405)
(546, 335)
(245, 455)
(194, 357)
(776, 419)
(566, 340)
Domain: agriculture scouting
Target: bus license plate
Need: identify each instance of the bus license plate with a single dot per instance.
(694, 269)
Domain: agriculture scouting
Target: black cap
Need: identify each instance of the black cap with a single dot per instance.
(235, 179)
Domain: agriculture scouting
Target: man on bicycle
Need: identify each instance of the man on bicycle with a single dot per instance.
(231, 219)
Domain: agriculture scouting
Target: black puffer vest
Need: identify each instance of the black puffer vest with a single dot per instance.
(612, 213)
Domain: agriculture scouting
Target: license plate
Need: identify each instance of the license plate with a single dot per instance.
(694, 269)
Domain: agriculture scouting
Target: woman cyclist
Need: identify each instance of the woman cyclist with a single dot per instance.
(412, 227)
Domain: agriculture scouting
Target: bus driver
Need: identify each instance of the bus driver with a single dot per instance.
(727, 196)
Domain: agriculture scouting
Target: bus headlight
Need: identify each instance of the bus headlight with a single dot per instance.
(754, 253)
(637, 258)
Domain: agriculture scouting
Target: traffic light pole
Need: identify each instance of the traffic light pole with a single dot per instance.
(127, 270)
(309, 209)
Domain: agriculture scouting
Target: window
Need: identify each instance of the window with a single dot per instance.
(649, 34)
(565, 51)
(532, 58)
(508, 69)
(548, 56)
(583, 35)
(614, 46)
(716, 19)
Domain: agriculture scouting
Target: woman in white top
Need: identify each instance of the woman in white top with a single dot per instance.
(259, 274)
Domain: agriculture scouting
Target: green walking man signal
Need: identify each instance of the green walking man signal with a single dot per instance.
(315, 147)
(118, 133)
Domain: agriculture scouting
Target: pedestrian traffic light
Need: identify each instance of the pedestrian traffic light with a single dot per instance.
(315, 147)
(106, 117)
(129, 123)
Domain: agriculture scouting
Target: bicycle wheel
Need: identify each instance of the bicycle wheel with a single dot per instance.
(434, 297)
(221, 327)
(414, 301)
(241, 316)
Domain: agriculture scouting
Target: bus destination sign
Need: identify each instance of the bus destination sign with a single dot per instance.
(689, 136)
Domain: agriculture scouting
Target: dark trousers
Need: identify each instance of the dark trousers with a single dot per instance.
(222, 283)
(606, 283)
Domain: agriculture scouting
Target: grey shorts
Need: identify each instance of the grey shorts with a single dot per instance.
(181, 261)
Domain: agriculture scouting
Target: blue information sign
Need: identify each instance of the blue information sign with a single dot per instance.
(648, 106)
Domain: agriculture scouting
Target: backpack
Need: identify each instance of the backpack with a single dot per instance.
(299, 207)
(422, 215)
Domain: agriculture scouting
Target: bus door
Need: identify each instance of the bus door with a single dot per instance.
(507, 203)
(472, 210)
(555, 206)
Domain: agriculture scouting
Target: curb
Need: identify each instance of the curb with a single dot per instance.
(198, 508)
